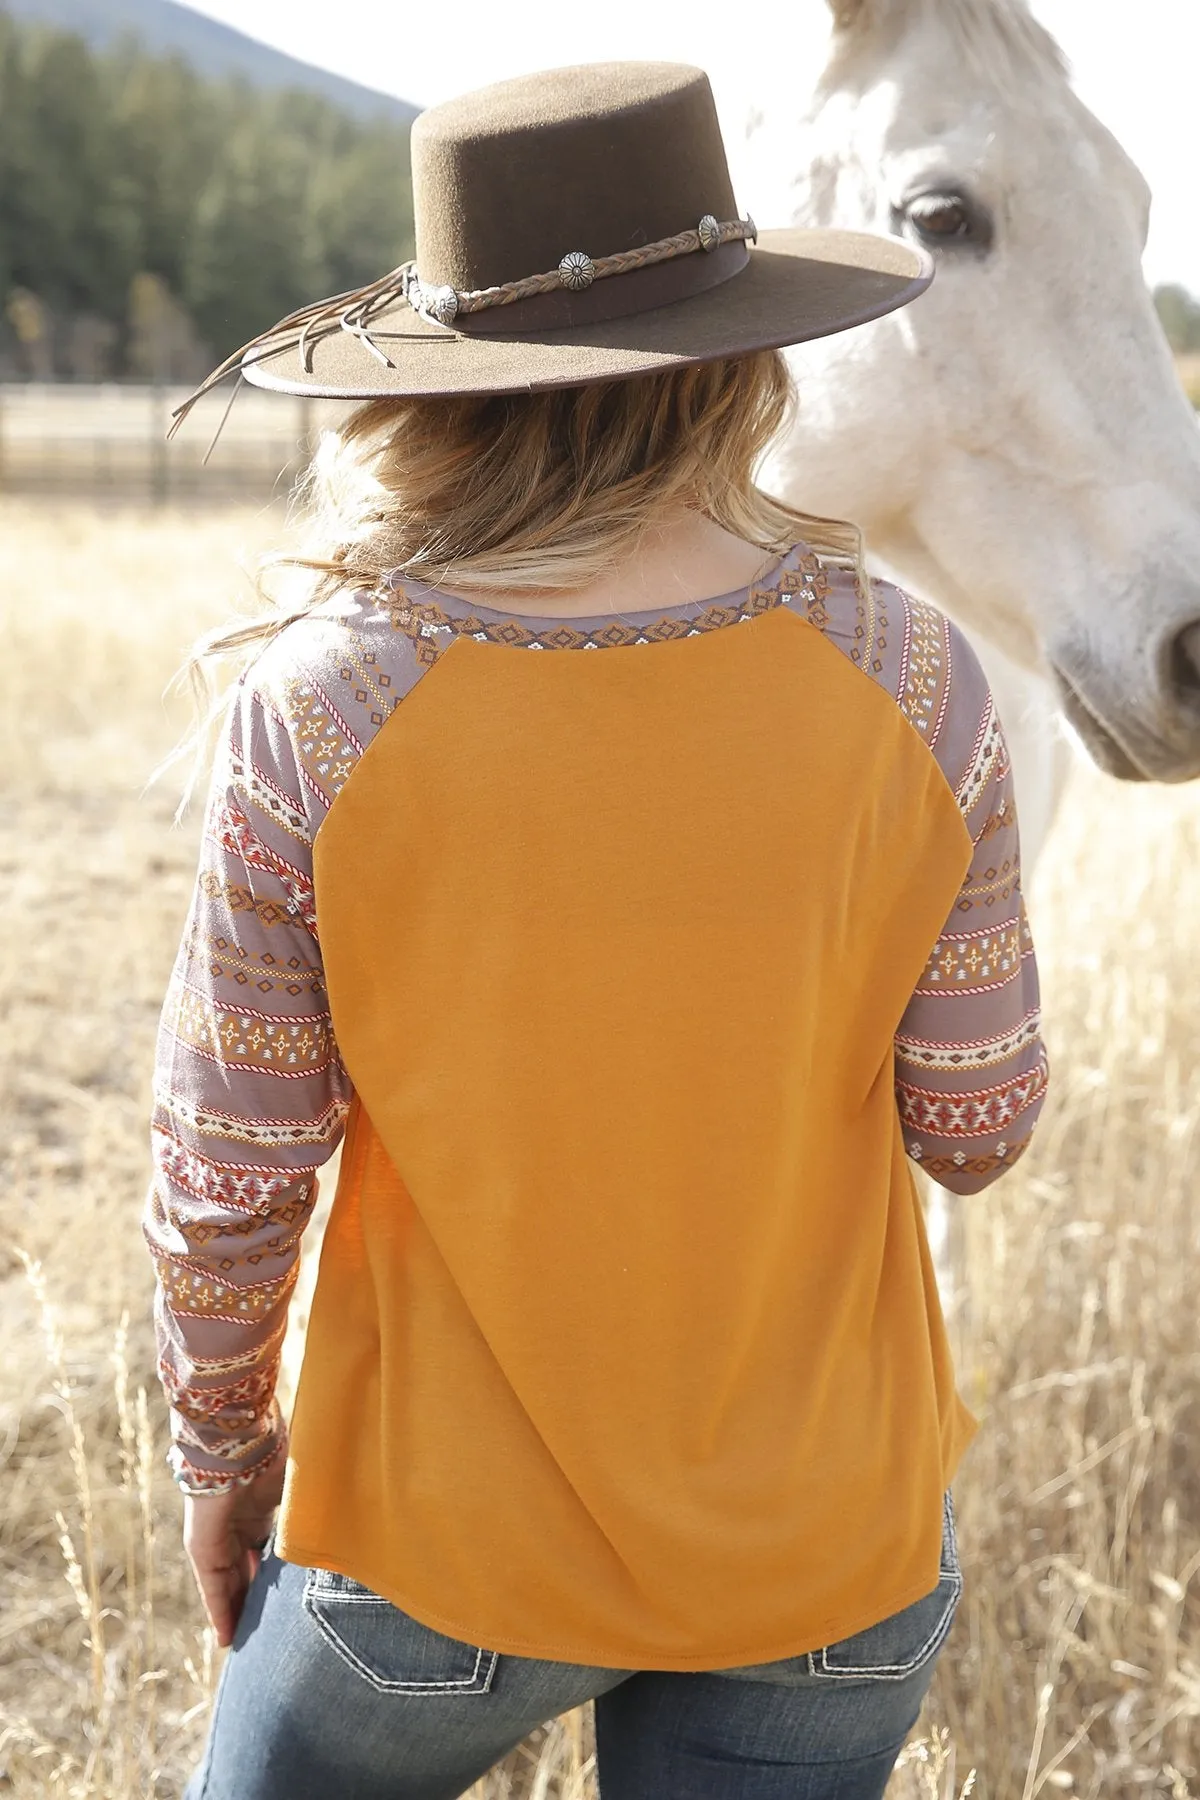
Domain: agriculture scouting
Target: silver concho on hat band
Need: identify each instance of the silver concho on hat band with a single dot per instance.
(709, 232)
(439, 304)
(577, 270)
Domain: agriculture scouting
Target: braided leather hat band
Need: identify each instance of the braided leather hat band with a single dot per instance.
(576, 272)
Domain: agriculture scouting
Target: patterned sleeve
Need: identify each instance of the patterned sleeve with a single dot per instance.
(250, 1098)
(971, 1068)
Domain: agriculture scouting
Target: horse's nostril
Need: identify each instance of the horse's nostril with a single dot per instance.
(1185, 662)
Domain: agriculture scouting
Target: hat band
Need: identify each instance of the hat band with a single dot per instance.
(568, 295)
(637, 291)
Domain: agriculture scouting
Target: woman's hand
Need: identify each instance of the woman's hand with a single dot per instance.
(223, 1535)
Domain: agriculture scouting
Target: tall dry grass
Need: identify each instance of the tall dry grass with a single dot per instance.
(104, 1672)
(1188, 366)
(1075, 1665)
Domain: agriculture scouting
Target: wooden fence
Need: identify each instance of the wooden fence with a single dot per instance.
(59, 437)
(64, 437)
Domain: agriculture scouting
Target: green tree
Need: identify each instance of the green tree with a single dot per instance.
(11, 121)
(1179, 314)
(252, 254)
(361, 206)
(76, 242)
(169, 130)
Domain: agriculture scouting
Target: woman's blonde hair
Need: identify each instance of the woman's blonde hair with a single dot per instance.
(534, 492)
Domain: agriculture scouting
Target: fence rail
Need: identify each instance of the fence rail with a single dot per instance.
(112, 439)
(67, 437)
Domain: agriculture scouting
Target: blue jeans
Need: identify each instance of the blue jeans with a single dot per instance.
(330, 1693)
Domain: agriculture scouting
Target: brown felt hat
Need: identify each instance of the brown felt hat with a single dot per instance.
(572, 226)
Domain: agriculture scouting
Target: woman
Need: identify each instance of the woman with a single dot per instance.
(633, 977)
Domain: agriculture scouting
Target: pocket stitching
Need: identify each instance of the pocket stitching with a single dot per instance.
(818, 1665)
(950, 1540)
(949, 1570)
(479, 1681)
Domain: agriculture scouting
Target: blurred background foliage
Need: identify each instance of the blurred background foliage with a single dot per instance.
(1179, 315)
(152, 219)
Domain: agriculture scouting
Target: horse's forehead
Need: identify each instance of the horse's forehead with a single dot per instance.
(923, 101)
(940, 61)
(998, 41)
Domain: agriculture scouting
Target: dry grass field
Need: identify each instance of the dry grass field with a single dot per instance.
(1075, 1665)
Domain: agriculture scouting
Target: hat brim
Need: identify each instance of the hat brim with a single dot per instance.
(799, 284)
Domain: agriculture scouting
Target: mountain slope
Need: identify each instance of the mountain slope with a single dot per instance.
(165, 28)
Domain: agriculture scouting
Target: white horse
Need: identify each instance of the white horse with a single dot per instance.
(1015, 445)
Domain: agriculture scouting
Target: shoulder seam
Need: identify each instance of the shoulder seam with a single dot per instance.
(927, 633)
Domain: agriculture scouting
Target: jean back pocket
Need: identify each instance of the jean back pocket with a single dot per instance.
(899, 1645)
(390, 1650)
(890, 1651)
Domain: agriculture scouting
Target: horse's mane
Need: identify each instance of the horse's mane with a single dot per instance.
(999, 36)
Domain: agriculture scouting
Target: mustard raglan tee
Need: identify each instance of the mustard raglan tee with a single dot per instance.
(643, 957)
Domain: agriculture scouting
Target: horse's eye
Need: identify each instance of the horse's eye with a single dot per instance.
(945, 220)
(940, 216)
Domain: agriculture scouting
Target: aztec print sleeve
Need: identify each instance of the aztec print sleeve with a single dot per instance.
(250, 1098)
(971, 1068)
(250, 1091)
(970, 1065)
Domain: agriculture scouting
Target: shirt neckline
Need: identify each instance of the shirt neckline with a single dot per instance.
(436, 611)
